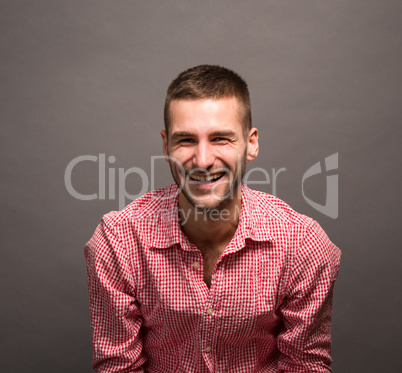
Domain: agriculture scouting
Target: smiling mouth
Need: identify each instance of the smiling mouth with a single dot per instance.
(207, 178)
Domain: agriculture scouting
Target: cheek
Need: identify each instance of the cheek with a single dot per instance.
(231, 157)
(183, 155)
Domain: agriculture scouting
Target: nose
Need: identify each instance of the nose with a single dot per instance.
(203, 155)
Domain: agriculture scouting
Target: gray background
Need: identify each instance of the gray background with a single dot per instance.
(89, 78)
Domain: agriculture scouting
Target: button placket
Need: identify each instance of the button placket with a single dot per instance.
(210, 319)
(195, 266)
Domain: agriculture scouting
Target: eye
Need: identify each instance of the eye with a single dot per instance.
(220, 139)
(186, 140)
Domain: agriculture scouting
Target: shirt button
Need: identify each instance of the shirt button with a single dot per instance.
(196, 265)
(208, 349)
(210, 311)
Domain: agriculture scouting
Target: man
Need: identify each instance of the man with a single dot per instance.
(207, 275)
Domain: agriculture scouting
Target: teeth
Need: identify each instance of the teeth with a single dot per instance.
(207, 178)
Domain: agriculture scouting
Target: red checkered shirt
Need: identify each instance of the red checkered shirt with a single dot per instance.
(268, 308)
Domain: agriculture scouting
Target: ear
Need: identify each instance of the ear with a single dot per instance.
(252, 144)
(165, 145)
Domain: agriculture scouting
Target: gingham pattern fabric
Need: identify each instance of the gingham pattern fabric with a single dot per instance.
(268, 308)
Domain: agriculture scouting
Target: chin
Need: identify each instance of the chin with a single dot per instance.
(214, 204)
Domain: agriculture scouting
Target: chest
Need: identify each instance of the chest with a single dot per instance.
(241, 296)
(211, 255)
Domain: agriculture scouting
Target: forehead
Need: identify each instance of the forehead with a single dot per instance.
(205, 114)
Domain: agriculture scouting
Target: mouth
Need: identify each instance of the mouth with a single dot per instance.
(207, 178)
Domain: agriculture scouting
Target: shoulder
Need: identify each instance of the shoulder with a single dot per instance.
(143, 209)
(277, 210)
(273, 218)
(296, 232)
(147, 220)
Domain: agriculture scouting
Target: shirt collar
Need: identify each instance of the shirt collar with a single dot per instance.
(165, 230)
(254, 222)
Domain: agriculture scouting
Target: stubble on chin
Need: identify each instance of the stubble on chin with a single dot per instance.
(222, 202)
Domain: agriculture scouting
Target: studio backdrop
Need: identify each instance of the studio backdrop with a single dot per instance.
(82, 93)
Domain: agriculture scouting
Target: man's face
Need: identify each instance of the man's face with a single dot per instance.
(207, 150)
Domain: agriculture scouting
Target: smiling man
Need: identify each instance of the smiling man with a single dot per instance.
(207, 275)
(206, 140)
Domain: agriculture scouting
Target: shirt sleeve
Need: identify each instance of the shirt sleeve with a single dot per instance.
(305, 342)
(114, 311)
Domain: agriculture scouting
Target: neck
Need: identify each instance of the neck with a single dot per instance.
(209, 226)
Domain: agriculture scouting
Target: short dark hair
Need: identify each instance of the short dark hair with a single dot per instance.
(210, 81)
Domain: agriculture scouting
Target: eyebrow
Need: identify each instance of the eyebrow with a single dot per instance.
(182, 134)
(223, 133)
(179, 134)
